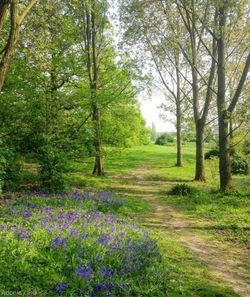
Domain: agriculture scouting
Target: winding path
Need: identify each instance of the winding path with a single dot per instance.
(224, 260)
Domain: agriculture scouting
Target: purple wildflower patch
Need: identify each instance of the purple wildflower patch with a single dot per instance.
(59, 242)
(84, 272)
(96, 253)
(61, 288)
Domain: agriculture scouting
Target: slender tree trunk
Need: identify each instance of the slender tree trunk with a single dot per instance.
(223, 115)
(231, 137)
(98, 167)
(179, 140)
(224, 150)
(92, 66)
(10, 47)
(200, 163)
(199, 127)
(16, 20)
(178, 111)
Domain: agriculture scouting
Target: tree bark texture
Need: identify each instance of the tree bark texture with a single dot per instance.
(223, 115)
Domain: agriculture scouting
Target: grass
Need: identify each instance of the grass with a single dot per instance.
(179, 272)
(43, 251)
(76, 245)
(229, 214)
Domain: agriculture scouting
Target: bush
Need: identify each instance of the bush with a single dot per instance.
(246, 147)
(239, 165)
(164, 139)
(9, 168)
(52, 170)
(211, 154)
(182, 190)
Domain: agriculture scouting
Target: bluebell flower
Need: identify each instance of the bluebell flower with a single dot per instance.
(85, 272)
(27, 214)
(61, 287)
(107, 272)
(74, 231)
(100, 287)
(22, 233)
(104, 239)
(59, 242)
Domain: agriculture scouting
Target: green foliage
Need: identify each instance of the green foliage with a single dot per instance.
(53, 166)
(182, 190)
(211, 154)
(246, 147)
(164, 139)
(240, 165)
(9, 168)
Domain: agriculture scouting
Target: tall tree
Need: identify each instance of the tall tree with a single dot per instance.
(93, 22)
(190, 12)
(149, 32)
(224, 108)
(16, 18)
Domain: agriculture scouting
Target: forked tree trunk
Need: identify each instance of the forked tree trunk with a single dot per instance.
(10, 47)
(16, 20)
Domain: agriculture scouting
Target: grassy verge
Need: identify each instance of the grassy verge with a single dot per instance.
(83, 244)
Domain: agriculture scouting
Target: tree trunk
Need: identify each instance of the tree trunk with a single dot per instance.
(179, 138)
(178, 111)
(224, 149)
(200, 163)
(9, 50)
(98, 167)
(223, 115)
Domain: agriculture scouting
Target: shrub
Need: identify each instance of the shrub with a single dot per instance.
(239, 165)
(211, 154)
(246, 147)
(53, 166)
(9, 168)
(164, 139)
(182, 190)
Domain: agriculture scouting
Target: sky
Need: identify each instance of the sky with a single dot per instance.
(151, 112)
(149, 105)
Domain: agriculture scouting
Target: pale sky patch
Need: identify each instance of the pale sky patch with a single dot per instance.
(151, 112)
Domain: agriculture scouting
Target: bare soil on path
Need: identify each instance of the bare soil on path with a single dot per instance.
(225, 260)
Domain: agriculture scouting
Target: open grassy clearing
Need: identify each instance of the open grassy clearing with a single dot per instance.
(203, 238)
(150, 171)
(229, 214)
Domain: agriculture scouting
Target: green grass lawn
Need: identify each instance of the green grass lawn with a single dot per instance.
(179, 272)
(230, 214)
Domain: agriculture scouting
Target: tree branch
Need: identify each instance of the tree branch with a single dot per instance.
(240, 85)
(26, 11)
